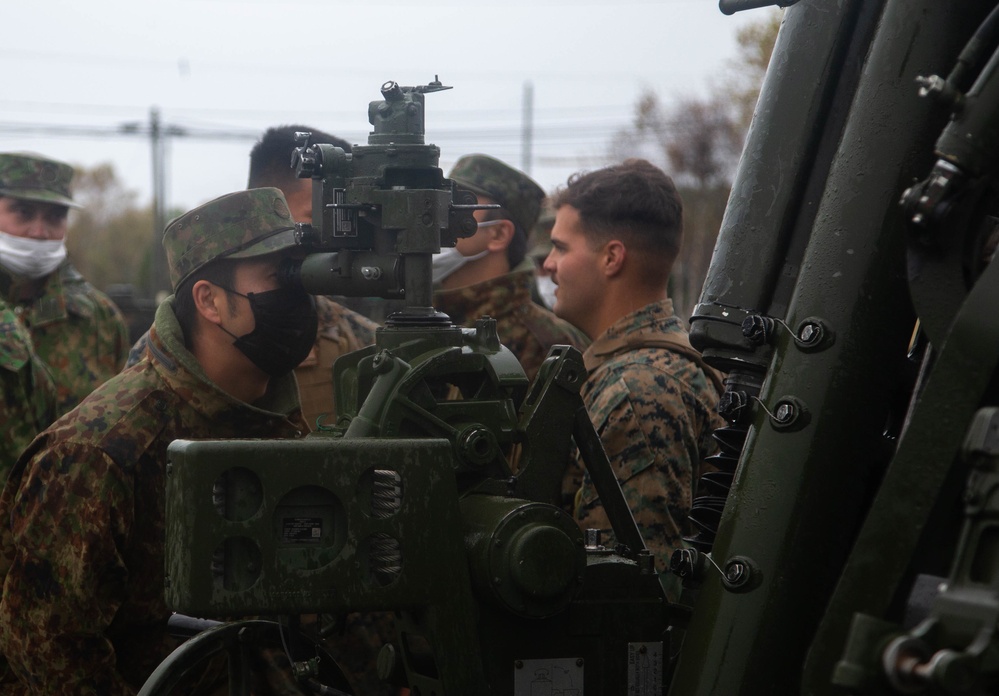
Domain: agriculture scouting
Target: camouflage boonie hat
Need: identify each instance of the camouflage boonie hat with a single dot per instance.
(238, 225)
(509, 187)
(36, 178)
(539, 241)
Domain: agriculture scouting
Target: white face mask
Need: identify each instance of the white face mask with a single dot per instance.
(31, 258)
(450, 260)
(546, 288)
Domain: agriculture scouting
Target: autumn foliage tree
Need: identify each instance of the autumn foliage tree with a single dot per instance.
(109, 240)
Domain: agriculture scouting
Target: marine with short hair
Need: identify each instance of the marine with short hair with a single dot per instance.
(487, 274)
(82, 538)
(650, 396)
(76, 329)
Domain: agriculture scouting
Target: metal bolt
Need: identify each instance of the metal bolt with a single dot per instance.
(810, 334)
(592, 537)
(382, 363)
(731, 405)
(735, 572)
(757, 328)
(785, 413)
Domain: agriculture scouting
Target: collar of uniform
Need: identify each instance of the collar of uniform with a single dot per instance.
(495, 297)
(651, 320)
(180, 370)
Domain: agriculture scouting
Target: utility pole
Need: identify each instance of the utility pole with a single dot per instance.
(158, 277)
(527, 129)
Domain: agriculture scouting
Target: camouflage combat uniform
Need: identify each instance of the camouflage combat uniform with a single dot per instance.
(529, 331)
(77, 330)
(29, 396)
(340, 331)
(653, 409)
(83, 608)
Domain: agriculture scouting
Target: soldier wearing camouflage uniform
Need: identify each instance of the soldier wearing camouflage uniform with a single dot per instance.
(28, 400)
(341, 330)
(487, 274)
(81, 546)
(649, 395)
(76, 329)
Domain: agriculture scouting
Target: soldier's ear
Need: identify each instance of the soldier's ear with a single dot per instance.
(209, 300)
(500, 235)
(613, 257)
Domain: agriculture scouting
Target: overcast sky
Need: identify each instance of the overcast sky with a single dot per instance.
(239, 66)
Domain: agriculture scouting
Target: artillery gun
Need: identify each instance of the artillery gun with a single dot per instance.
(436, 494)
(846, 541)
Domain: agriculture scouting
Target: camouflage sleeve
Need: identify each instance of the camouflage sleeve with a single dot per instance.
(28, 399)
(647, 427)
(69, 520)
(27, 407)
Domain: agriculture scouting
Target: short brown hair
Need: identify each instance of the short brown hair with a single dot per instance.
(635, 202)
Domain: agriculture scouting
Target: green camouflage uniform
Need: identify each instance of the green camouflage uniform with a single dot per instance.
(81, 544)
(529, 331)
(83, 608)
(654, 410)
(29, 396)
(77, 330)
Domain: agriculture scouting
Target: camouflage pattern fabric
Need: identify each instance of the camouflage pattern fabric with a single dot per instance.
(28, 401)
(36, 178)
(77, 330)
(239, 225)
(341, 331)
(518, 193)
(81, 550)
(654, 410)
(529, 331)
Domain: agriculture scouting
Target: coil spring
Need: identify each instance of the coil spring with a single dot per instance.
(385, 551)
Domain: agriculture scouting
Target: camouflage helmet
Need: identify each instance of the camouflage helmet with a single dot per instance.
(511, 188)
(238, 225)
(36, 178)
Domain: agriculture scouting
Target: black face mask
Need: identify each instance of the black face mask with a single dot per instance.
(285, 330)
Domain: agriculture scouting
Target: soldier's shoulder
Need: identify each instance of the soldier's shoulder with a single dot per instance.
(134, 399)
(86, 299)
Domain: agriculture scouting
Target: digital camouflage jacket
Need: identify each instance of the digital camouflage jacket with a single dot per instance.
(654, 410)
(77, 330)
(28, 401)
(81, 546)
(529, 331)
